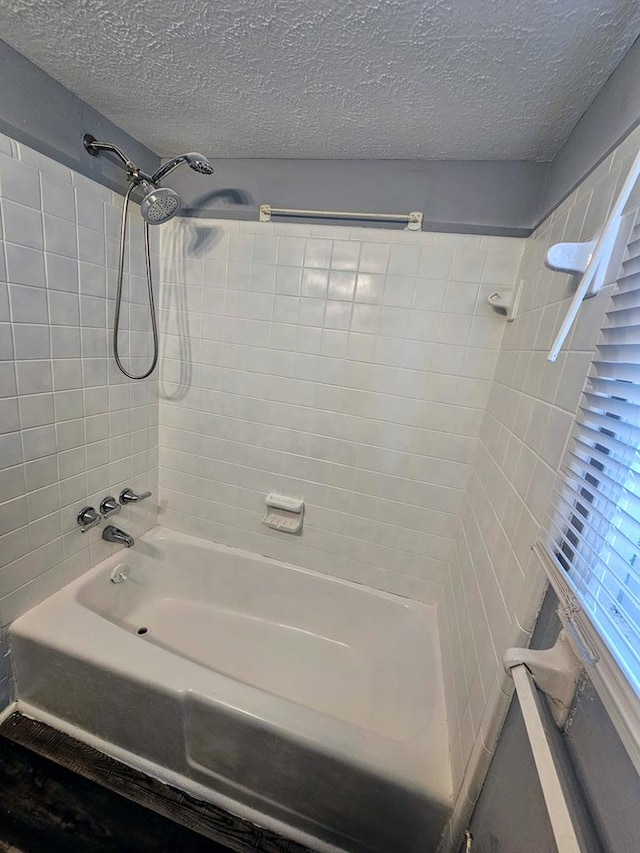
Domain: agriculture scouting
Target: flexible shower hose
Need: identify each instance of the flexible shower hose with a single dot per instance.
(152, 308)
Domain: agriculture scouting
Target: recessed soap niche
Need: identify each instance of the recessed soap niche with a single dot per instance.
(283, 513)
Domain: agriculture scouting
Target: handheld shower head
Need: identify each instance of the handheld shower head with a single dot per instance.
(195, 161)
(198, 163)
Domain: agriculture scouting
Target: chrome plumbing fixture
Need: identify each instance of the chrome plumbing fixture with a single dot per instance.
(128, 496)
(109, 506)
(114, 534)
(88, 518)
(159, 204)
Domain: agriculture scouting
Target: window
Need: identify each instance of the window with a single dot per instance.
(593, 532)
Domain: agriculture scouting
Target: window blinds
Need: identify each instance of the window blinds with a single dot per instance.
(593, 533)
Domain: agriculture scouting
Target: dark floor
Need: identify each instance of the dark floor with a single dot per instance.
(60, 794)
(45, 808)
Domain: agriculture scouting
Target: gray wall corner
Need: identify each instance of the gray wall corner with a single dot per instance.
(40, 112)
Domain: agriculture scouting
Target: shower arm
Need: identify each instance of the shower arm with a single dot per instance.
(136, 175)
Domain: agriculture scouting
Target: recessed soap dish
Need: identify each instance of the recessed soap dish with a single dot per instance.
(283, 513)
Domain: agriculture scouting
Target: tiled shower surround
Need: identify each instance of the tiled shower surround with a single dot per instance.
(72, 429)
(495, 584)
(361, 369)
(351, 367)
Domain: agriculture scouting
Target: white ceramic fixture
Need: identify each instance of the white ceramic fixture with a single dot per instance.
(305, 703)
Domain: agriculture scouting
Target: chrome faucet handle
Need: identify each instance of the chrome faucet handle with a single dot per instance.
(110, 506)
(128, 496)
(88, 518)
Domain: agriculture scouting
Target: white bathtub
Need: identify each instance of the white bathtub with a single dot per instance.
(306, 704)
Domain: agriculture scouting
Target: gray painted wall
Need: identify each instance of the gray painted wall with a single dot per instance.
(476, 196)
(510, 816)
(37, 110)
(614, 113)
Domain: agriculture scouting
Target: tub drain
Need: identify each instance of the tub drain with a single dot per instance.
(142, 630)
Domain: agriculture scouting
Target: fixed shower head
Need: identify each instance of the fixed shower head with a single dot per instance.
(195, 161)
(159, 205)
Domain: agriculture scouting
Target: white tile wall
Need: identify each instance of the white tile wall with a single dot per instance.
(71, 429)
(495, 585)
(350, 367)
(360, 369)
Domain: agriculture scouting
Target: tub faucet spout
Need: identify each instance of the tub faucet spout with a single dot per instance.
(114, 534)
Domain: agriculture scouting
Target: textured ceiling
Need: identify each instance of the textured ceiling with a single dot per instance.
(452, 79)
